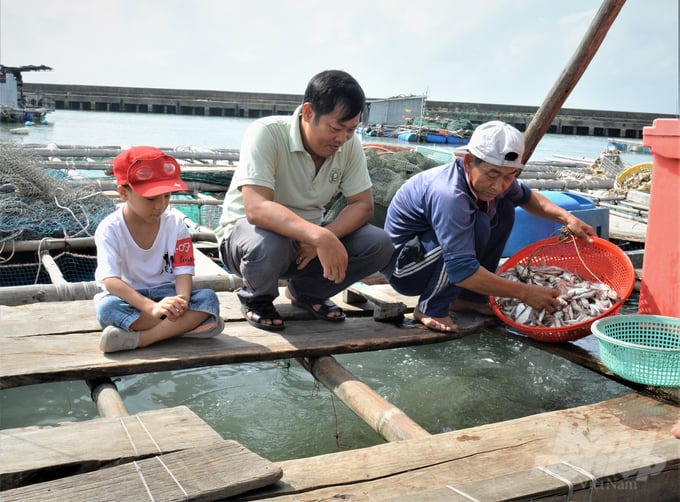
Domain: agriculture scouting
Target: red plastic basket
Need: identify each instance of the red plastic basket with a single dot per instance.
(606, 260)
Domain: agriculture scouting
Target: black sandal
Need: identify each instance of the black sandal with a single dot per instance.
(327, 306)
(262, 311)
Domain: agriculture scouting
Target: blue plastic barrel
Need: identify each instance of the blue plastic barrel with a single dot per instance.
(529, 228)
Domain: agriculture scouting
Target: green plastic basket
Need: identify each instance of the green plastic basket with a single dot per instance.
(641, 348)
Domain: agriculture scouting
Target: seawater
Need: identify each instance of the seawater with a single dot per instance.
(276, 409)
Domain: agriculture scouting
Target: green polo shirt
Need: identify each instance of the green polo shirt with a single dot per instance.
(273, 156)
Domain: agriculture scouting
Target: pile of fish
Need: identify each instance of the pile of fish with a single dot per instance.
(580, 299)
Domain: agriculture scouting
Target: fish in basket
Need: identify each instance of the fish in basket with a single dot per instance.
(594, 279)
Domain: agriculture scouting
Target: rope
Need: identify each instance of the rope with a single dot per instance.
(186, 495)
(581, 259)
(139, 470)
(461, 492)
(149, 434)
(141, 476)
(129, 437)
(564, 480)
(2, 249)
(593, 479)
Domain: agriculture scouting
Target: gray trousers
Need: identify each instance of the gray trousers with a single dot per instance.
(262, 257)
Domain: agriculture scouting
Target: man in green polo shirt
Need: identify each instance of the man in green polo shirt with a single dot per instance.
(272, 225)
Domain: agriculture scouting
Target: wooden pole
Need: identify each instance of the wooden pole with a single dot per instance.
(109, 402)
(386, 419)
(34, 293)
(571, 74)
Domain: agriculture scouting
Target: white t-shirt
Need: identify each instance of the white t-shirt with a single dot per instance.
(118, 255)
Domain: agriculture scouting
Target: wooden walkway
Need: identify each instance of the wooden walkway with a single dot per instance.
(617, 449)
(54, 341)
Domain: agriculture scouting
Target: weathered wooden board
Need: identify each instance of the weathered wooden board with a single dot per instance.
(215, 472)
(623, 475)
(79, 315)
(30, 357)
(42, 452)
(409, 468)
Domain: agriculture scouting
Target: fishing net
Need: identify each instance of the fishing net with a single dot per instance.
(388, 171)
(35, 204)
(27, 269)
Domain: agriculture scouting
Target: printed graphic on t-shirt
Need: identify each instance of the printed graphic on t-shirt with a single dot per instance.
(167, 264)
(184, 253)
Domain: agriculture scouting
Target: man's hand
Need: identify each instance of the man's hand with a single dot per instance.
(331, 253)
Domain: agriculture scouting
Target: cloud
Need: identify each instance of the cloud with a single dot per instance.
(493, 51)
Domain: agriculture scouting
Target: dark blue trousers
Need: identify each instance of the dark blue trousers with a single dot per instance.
(421, 271)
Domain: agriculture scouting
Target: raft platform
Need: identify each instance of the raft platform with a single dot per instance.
(613, 450)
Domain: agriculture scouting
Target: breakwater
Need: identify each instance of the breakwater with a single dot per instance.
(254, 105)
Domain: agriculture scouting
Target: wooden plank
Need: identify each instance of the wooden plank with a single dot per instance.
(205, 266)
(626, 229)
(623, 475)
(85, 446)
(388, 304)
(28, 358)
(208, 473)
(44, 318)
(410, 468)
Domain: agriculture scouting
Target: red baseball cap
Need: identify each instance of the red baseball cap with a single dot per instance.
(148, 171)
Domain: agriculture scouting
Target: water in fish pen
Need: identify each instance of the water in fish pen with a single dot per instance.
(277, 409)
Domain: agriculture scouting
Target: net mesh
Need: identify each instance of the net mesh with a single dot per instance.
(35, 204)
(388, 171)
(74, 267)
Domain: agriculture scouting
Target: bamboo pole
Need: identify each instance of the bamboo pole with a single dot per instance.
(52, 268)
(84, 165)
(103, 152)
(566, 184)
(386, 419)
(107, 398)
(53, 243)
(34, 293)
(571, 74)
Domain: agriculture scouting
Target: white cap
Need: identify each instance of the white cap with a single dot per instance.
(497, 143)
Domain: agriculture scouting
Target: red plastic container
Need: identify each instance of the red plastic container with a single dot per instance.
(611, 265)
(660, 286)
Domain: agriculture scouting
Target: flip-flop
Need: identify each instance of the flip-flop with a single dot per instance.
(260, 311)
(326, 307)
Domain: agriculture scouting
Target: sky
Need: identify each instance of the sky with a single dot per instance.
(474, 51)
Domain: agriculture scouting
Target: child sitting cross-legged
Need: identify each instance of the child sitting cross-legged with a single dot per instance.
(145, 260)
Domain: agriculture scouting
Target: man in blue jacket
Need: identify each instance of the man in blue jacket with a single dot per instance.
(449, 226)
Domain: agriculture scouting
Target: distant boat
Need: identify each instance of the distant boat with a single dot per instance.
(623, 145)
(409, 136)
(454, 139)
(434, 137)
(15, 106)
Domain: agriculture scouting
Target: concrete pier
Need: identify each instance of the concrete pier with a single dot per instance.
(254, 105)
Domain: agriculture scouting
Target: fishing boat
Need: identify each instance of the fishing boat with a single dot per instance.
(624, 145)
(15, 105)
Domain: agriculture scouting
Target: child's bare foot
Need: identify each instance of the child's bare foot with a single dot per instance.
(443, 324)
(468, 306)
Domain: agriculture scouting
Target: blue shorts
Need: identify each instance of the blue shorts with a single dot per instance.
(112, 311)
